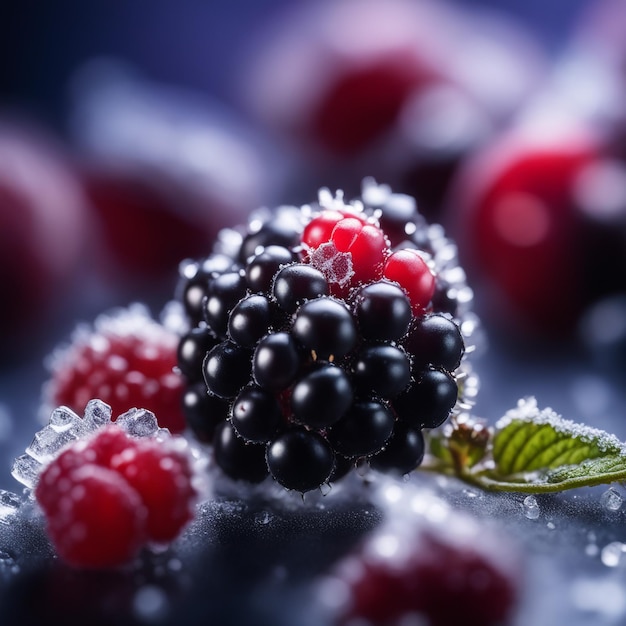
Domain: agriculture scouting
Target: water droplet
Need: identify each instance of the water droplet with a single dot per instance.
(612, 553)
(175, 565)
(470, 493)
(150, 603)
(531, 508)
(262, 518)
(592, 549)
(8, 565)
(611, 500)
(325, 488)
(551, 525)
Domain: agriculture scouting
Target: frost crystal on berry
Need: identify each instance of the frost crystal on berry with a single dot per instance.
(335, 265)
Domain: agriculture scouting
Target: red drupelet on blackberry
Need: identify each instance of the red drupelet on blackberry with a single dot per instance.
(324, 343)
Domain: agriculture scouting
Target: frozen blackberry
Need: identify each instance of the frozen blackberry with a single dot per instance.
(323, 339)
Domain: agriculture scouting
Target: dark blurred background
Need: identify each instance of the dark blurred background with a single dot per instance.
(192, 42)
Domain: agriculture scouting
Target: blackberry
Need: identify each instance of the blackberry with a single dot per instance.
(319, 337)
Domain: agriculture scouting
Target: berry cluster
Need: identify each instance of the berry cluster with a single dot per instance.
(323, 335)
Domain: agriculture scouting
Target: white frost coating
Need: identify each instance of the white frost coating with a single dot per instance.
(336, 266)
(527, 411)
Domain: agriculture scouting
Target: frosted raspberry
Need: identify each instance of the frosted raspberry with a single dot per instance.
(127, 359)
(108, 494)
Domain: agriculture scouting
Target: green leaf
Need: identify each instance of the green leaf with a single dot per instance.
(544, 452)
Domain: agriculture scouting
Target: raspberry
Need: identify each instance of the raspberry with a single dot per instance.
(107, 495)
(127, 360)
(444, 583)
(321, 359)
(412, 569)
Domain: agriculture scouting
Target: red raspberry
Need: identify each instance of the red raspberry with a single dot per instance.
(443, 582)
(40, 205)
(163, 480)
(127, 360)
(410, 271)
(99, 519)
(107, 496)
